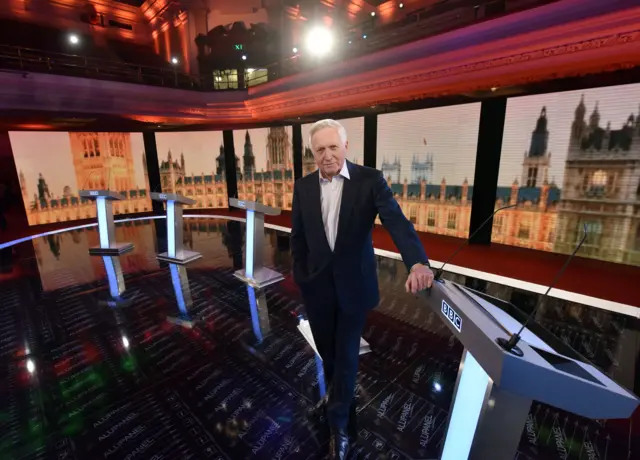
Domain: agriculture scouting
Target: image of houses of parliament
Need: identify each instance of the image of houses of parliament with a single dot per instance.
(209, 190)
(601, 191)
(100, 161)
(273, 187)
(436, 208)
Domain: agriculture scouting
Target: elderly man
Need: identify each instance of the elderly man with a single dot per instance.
(334, 210)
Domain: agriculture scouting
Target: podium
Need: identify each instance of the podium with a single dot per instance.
(106, 228)
(176, 253)
(495, 388)
(254, 273)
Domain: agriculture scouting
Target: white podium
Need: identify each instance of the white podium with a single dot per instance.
(176, 253)
(254, 273)
(495, 387)
(106, 228)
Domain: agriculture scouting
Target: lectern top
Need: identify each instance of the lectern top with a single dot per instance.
(108, 194)
(549, 370)
(254, 206)
(172, 197)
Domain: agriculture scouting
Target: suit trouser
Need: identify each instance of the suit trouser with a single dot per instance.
(337, 332)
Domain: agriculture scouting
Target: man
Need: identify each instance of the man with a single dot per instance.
(333, 214)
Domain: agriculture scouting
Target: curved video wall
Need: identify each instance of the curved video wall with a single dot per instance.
(193, 164)
(570, 161)
(53, 167)
(428, 157)
(355, 138)
(264, 165)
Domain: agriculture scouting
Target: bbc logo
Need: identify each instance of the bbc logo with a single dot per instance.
(452, 316)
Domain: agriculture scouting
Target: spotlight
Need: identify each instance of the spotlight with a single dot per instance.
(244, 58)
(437, 387)
(295, 50)
(74, 39)
(31, 366)
(401, 5)
(125, 342)
(250, 70)
(373, 13)
(364, 36)
(174, 60)
(319, 41)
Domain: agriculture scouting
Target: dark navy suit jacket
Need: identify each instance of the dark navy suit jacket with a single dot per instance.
(350, 268)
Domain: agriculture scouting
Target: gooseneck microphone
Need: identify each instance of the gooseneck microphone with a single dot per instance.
(440, 271)
(511, 344)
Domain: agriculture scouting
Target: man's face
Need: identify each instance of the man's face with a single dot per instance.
(329, 151)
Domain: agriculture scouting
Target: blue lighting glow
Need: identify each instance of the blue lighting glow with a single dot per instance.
(112, 277)
(177, 287)
(103, 230)
(255, 320)
(322, 387)
(469, 399)
(251, 229)
(171, 229)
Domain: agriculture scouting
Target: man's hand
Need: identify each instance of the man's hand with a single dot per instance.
(420, 278)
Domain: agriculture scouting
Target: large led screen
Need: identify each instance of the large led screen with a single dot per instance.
(264, 165)
(428, 158)
(570, 161)
(54, 166)
(355, 138)
(193, 164)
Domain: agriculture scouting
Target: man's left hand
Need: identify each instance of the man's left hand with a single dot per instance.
(420, 278)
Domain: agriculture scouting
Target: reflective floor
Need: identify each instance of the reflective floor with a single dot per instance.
(130, 358)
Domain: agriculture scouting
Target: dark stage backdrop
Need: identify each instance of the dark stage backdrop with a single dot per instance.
(264, 165)
(53, 166)
(193, 164)
(428, 157)
(355, 137)
(572, 159)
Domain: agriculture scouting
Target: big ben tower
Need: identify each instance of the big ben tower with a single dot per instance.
(278, 149)
(535, 167)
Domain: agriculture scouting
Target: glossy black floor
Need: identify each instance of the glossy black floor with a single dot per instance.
(88, 375)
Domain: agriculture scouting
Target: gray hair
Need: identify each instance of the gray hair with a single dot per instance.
(328, 123)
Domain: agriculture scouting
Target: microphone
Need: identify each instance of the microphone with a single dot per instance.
(511, 344)
(440, 271)
(87, 179)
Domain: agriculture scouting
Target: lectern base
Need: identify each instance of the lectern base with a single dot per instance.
(181, 258)
(114, 250)
(261, 278)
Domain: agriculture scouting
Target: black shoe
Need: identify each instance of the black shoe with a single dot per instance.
(338, 444)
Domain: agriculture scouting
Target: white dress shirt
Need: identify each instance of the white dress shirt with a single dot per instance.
(330, 199)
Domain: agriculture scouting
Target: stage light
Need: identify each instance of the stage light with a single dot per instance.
(373, 13)
(174, 60)
(244, 57)
(364, 36)
(31, 366)
(74, 39)
(319, 41)
(250, 70)
(401, 5)
(295, 50)
(125, 342)
(437, 387)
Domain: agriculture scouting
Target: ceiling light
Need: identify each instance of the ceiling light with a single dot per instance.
(74, 39)
(319, 41)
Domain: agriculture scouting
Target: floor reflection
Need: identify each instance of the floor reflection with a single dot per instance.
(128, 357)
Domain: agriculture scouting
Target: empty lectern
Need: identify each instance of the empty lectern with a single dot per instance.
(495, 387)
(106, 228)
(175, 245)
(254, 272)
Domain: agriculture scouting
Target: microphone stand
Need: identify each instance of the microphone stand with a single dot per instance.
(511, 345)
(438, 274)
